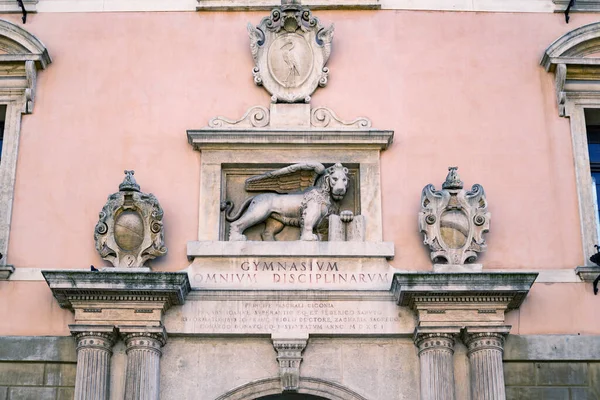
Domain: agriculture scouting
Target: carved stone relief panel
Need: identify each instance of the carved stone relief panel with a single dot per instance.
(290, 49)
(241, 184)
(454, 220)
(129, 231)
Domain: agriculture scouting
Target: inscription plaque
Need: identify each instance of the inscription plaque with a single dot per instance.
(345, 317)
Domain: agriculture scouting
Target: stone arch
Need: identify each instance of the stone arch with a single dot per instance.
(16, 41)
(578, 43)
(307, 385)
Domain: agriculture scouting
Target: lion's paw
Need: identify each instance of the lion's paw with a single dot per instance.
(237, 237)
(309, 237)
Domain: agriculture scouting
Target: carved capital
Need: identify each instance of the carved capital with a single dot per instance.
(289, 355)
(435, 341)
(91, 337)
(145, 340)
(484, 341)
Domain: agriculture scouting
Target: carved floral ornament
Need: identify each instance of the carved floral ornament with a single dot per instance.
(130, 229)
(290, 49)
(453, 220)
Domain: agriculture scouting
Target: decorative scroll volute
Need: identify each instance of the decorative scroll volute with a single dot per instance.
(129, 231)
(290, 49)
(453, 221)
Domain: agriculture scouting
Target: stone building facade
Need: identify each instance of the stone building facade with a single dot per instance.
(340, 200)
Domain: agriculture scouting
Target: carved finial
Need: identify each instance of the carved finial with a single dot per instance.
(452, 179)
(129, 183)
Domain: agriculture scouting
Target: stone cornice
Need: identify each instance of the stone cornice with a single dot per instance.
(211, 138)
(69, 285)
(462, 287)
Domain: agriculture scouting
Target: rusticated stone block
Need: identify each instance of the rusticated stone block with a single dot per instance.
(537, 393)
(22, 374)
(60, 374)
(3, 393)
(583, 394)
(30, 393)
(519, 374)
(65, 394)
(562, 374)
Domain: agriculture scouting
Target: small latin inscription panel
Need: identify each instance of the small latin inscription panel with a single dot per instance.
(310, 316)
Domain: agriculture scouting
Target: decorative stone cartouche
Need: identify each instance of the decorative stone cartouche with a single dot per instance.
(130, 229)
(453, 221)
(290, 49)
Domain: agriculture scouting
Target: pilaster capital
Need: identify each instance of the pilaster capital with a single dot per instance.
(481, 338)
(442, 338)
(100, 337)
(147, 338)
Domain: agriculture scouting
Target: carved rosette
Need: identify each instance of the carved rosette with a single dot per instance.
(129, 231)
(453, 221)
(290, 49)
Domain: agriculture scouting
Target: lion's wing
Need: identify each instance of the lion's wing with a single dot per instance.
(286, 180)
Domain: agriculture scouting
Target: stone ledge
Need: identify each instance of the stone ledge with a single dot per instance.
(588, 273)
(6, 271)
(67, 285)
(256, 5)
(448, 286)
(211, 138)
(290, 249)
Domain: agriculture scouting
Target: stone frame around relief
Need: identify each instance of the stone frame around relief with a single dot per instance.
(232, 188)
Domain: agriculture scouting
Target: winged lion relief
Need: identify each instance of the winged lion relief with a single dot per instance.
(299, 195)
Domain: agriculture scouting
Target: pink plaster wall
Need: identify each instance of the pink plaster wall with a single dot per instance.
(460, 89)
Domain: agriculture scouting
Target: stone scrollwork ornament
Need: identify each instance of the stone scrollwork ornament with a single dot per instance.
(290, 49)
(453, 221)
(130, 229)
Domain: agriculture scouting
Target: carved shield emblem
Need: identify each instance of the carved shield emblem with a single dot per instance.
(290, 49)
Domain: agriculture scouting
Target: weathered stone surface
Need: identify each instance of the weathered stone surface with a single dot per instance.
(485, 359)
(552, 348)
(143, 362)
(6, 271)
(289, 349)
(536, 393)
(66, 284)
(436, 352)
(37, 348)
(22, 374)
(562, 374)
(30, 393)
(519, 373)
(65, 394)
(60, 374)
(277, 312)
(583, 394)
(243, 5)
(94, 348)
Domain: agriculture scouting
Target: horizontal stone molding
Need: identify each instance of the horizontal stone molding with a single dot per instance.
(211, 138)
(290, 249)
(12, 6)
(588, 273)
(552, 348)
(510, 288)
(38, 348)
(73, 285)
(580, 5)
(254, 5)
(237, 5)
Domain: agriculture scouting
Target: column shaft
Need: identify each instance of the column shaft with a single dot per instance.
(93, 365)
(142, 381)
(487, 373)
(437, 366)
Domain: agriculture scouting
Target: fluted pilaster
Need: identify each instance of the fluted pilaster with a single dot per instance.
(142, 381)
(485, 359)
(436, 352)
(94, 350)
